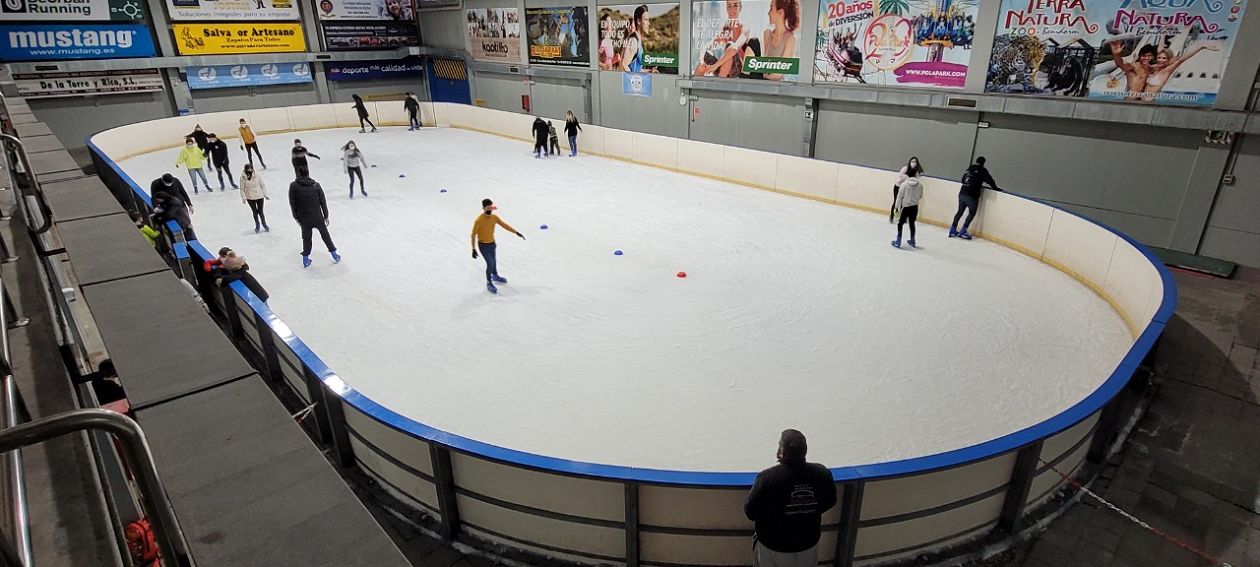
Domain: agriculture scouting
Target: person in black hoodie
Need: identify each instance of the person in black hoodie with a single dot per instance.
(412, 106)
(362, 111)
(540, 137)
(786, 505)
(198, 135)
(300, 154)
(169, 208)
(310, 210)
(219, 157)
(973, 181)
(171, 186)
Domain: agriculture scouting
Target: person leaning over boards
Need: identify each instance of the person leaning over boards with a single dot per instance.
(973, 181)
(786, 505)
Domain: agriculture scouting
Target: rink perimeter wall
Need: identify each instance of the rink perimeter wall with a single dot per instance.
(596, 514)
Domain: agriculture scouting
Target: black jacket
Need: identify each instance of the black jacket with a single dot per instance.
(173, 209)
(200, 137)
(411, 105)
(362, 110)
(175, 189)
(299, 156)
(306, 198)
(571, 127)
(786, 504)
(218, 151)
(540, 130)
(976, 175)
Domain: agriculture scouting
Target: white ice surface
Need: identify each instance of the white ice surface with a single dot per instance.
(794, 313)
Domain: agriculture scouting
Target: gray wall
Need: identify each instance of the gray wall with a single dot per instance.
(1133, 178)
(1234, 228)
(881, 136)
(443, 28)
(218, 100)
(73, 119)
(500, 91)
(553, 97)
(340, 91)
(660, 114)
(774, 124)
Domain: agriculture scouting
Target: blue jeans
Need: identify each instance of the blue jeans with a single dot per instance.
(487, 250)
(573, 145)
(194, 173)
(965, 203)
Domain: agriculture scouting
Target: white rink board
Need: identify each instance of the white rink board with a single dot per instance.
(795, 313)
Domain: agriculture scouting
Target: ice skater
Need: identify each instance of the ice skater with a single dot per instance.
(310, 210)
(353, 163)
(363, 114)
(555, 139)
(193, 158)
(907, 202)
(300, 154)
(912, 168)
(249, 143)
(412, 105)
(172, 186)
(571, 129)
(219, 157)
(973, 181)
(540, 137)
(483, 240)
(202, 140)
(253, 193)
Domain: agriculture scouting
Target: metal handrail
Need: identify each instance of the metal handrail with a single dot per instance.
(15, 475)
(37, 189)
(157, 506)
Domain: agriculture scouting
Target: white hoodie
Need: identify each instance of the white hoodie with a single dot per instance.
(910, 194)
(253, 189)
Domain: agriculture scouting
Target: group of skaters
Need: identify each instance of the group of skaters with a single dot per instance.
(908, 191)
(547, 140)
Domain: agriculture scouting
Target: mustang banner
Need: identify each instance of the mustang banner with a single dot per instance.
(1138, 51)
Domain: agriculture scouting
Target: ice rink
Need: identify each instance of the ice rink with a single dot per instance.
(794, 313)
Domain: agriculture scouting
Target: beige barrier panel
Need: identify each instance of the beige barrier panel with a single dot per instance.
(906, 495)
(1134, 283)
(1044, 485)
(1080, 247)
(409, 450)
(543, 532)
(1018, 223)
(809, 177)
(945, 526)
(267, 120)
(314, 117)
(412, 486)
(959, 539)
(545, 491)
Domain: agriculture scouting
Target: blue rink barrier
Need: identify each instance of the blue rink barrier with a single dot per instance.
(595, 513)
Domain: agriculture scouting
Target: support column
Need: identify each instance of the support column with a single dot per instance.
(632, 524)
(444, 481)
(1017, 491)
(850, 516)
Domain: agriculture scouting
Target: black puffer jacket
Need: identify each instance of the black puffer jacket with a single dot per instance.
(306, 198)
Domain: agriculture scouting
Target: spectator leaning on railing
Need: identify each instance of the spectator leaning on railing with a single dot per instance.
(786, 505)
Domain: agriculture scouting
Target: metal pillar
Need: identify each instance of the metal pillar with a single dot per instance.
(1017, 491)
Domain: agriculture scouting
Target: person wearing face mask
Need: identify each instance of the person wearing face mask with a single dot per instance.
(249, 144)
(169, 184)
(907, 204)
(483, 240)
(194, 159)
(299, 157)
(353, 163)
(253, 192)
(911, 169)
(219, 157)
(202, 140)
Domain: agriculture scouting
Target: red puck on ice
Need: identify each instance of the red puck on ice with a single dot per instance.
(682, 274)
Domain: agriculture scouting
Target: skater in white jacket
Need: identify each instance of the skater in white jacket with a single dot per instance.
(907, 202)
(253, 192)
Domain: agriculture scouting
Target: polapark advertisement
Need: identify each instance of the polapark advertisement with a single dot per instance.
(639, 38)
(1137, 51)
(494, 34)
(923, 43)
(558, 36)
(349, 25)
(749, 39)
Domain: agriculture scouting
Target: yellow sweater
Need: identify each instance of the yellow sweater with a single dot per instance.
(247, 135)
(483, 227)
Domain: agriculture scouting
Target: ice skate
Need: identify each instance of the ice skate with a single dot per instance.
(963, 234)
(498, 279)
(257, 227)
(306, 261)
(374, 128)
(912, 244)
(953, 232)
(362, 131)
(266, 228)
(896, 243)
(336, 257)
(490, 288)
(362, 192)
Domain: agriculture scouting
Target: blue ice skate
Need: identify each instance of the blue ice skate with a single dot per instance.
(953, 232)
(306, 261)
(336, 257)
(912, 244)
(498, 279)
(963, 234)
(896, 243)
(490, 288)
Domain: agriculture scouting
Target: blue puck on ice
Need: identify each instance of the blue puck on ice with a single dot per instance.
(543, 227)
(442, 191)
(616, 252)
(401, 175)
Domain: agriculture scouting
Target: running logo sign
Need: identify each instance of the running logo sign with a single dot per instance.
(1142, 51)
(72, 11)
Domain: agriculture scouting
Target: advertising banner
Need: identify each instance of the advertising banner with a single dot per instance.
(39, 42)
(430, 4)
(251, 75)
(752, 39)
(883, 42)
(215, 39)
(409, 68)
(636, 84)
(1134, 51)
(639, 38)
(558, 36)
(85, 83)
(72, 10)
(494, 34)
(238, 10)
(367, 24)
